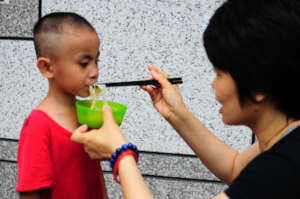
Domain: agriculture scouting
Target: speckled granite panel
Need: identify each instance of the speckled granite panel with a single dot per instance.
(171, 166)
(21, 85)
(174, 189)
(18, 17)
(161, 188)
(165, 33)
(8, 180)
(8, 150)
(174, 166)
(149, 164)
(8, 172)
(113, 189)
(171, 188)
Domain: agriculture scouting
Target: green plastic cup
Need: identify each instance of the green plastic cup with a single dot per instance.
(93, 118)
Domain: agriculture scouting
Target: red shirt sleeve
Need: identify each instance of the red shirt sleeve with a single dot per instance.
(34, 155)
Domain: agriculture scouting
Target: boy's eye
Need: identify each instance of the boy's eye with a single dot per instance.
(83, 64)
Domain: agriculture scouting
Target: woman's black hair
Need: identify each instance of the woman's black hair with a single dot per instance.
(258, 43)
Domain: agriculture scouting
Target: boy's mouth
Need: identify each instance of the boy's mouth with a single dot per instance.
(94, 82)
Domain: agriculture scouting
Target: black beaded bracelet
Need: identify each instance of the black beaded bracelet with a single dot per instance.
(124, 147)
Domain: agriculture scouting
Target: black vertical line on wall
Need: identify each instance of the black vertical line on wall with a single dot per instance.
(253, 138)
(40, 9)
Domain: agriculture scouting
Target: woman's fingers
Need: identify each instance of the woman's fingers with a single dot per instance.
(78, 135)
(153, 68)
(151, 91)
(82, 128)
(95, 155)
(160, 76)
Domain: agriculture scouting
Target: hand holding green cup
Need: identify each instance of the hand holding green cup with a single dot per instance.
(93, 118)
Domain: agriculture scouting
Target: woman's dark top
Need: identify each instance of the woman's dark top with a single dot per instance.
(272, 174)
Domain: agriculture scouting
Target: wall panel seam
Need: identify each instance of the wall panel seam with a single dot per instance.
(151, 176)
(16, 38)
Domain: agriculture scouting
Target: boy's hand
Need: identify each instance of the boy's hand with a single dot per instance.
(166, 97)
(101, 143)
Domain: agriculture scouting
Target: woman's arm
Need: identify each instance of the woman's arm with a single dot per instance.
(221, 196)
(132, 182)
(221, 159)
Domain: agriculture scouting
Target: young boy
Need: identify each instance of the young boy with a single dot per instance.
(50, 165)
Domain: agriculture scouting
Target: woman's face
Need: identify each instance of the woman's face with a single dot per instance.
(226, 93)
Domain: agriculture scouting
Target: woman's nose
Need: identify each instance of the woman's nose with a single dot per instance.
(212, 84)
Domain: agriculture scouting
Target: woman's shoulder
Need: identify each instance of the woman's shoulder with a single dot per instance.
(289, 142)
(287, 149)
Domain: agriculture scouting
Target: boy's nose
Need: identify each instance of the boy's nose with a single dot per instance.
(94, 73)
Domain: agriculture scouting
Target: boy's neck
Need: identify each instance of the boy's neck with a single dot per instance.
(56, 101)
(61, 108)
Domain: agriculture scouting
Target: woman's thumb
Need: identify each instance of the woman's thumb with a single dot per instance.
(107, 114)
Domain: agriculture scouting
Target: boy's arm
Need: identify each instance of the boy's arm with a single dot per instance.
(30, 195)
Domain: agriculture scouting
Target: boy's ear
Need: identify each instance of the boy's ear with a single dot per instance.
(46, 67)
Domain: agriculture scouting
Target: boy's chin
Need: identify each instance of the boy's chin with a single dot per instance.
(83, 95)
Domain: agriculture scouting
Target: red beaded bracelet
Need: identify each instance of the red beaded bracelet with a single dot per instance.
(116, 166)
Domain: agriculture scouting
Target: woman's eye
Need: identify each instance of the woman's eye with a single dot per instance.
(83, 64)
(218, 74)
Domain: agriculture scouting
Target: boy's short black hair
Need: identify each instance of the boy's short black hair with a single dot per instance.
(258, 43)
(54, 23)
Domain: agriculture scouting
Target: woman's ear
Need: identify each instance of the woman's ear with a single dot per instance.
(46, 67)
(259, 97)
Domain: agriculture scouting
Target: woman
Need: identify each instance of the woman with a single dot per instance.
(253, 46)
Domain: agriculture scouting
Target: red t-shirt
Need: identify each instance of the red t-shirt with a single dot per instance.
(47, 158)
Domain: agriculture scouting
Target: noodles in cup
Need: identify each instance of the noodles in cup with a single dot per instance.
(95, 93)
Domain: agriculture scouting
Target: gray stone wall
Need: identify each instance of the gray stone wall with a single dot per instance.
(134, 34)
